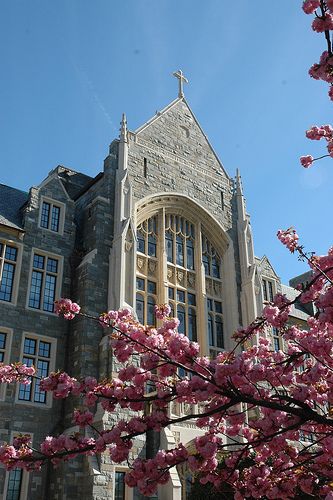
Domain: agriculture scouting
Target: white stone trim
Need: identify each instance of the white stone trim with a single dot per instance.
(7, 355)
(52, 361)
(60, 260)
(52, 202)
(17, 272)
(25, 477)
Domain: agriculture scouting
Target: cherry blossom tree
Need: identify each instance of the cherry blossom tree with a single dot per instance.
(265, 417)
(323, 70)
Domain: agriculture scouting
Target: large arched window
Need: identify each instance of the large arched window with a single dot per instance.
(176, 262)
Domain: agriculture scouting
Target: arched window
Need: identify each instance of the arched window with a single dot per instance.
(177, 262)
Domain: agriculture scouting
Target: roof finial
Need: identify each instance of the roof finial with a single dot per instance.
(181, 79)
(123, 128)
(239, 186)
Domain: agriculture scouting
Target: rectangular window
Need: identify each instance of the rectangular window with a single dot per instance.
(215, 326)
(119, 486)
(39, 353)
(5, 347)
(14, 485)
(8, 261)
(267, 288)
(276, 339)
(50, 216)
(17, 480)
(43, 283)
(3, 344)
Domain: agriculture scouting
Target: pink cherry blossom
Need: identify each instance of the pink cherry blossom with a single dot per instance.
(306, 161)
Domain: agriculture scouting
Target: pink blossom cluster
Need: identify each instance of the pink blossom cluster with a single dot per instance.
(16, 372)
(323, 23)
(309, 6)
(146, 474)
(306, 161)
(162, 311)
(289, 238)
(66, 308)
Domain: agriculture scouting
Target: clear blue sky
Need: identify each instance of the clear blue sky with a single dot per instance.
(71, 67)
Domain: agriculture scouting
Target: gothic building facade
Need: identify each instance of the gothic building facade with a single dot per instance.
(163, 222)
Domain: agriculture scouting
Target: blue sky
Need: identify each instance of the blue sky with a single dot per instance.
(71, 67)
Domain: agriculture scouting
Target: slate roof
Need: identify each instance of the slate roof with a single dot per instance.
(11, 200)
(299, 311)
(74, 182)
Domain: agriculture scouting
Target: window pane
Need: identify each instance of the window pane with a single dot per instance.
(14, 484)
(276, 342)
(270, 288)
(7, 282)
(180, 296)
(191, 299)
(215, 267)
(219, 332)
(38, 261)
(171, 293)
(192, 325)
(25, 390)
(140, 284)
(44, 349)
(151, 318)
(44, 220)
(52, 265)
(179, 251)
(169, 246)
(49, 293)
(11, 253)
(55, 217)
(190, 254)
(151, 287)
(152, 245)
(29, 346)
(218, 306)
(141, 242)
(264, 286)
(140, 307)
(210, 330)
(209, 304)
(181, 317)
(35, 289)
(42, 371)
(205, 261)
(119, 489)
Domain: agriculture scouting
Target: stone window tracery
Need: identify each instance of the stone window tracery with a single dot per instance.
(176, 262)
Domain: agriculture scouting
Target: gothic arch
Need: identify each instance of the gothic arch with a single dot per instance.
(184, 206)
(203, 294)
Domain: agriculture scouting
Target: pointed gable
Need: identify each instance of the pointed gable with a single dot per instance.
(176, 133)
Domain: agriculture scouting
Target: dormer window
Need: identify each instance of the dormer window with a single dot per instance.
(51, 216)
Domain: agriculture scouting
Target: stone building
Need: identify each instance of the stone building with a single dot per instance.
(162, 222)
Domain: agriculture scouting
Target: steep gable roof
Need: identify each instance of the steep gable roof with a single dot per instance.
(11, 201)
(165, 111)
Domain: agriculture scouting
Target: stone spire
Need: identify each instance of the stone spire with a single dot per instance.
(123, 146)
(240, 197)
(123, 129)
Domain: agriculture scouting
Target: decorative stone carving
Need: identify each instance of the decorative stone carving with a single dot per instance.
(180, 276)
(191, 280)
(152, 267)
(128, 245)
(170, 273)
(140, 263)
